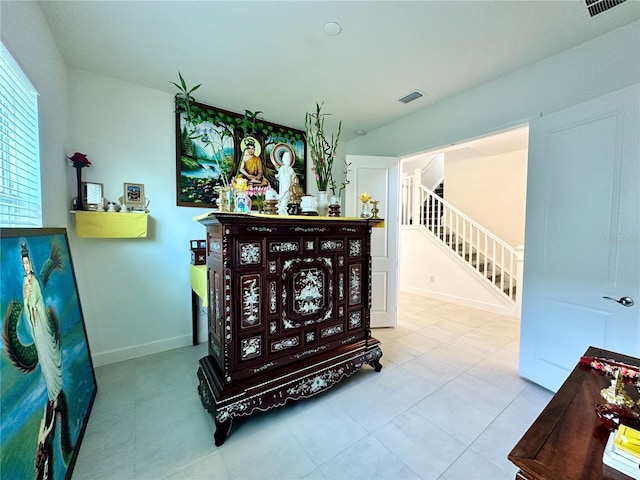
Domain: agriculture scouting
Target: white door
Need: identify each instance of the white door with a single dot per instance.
(582, 236)
(380, 177)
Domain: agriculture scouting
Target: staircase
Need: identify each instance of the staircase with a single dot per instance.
(477, 260)
(428, 211)
(490, 257)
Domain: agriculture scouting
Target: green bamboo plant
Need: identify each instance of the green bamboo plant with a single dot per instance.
(321, 148)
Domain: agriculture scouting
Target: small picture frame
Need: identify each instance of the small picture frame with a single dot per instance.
(196, 244)
(134, 194)
(93, 193)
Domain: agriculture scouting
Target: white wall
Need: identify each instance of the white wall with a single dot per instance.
(431, 269)
(491, 190)
(25, 33)
(136, 292)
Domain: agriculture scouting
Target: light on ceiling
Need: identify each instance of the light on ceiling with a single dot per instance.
(360, 132)
(332, 29)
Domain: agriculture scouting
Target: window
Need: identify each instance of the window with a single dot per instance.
(20, 194)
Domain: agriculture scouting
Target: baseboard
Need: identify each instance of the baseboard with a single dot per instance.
(486, 307)
(136, 351)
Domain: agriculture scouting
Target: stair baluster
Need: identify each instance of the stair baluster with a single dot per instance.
(488, 255)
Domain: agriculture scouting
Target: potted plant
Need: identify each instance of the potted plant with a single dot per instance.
(335, 197)
(323, 152)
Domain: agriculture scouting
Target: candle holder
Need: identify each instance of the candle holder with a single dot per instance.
(271, 207)
(615, 393)
(374, 208)
(334, 206)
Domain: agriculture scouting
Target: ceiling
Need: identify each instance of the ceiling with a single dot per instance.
(275, 57)
(499, 143)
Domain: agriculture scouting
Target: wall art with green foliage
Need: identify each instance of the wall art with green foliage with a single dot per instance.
(209, 151)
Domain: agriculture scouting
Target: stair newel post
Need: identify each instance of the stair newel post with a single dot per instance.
(519, 272)
(416, 202)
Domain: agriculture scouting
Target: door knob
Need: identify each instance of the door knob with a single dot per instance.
(624, 301)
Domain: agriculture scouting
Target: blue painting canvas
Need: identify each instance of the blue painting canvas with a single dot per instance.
(47, 381)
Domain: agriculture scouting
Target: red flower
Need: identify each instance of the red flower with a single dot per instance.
(79, 160)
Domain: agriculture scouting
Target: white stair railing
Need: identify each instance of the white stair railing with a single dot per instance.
(492, 258)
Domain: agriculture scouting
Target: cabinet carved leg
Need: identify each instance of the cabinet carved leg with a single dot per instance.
(222, 431)
(375, 363)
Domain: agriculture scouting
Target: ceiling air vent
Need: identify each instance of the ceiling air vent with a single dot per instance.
(411, 97)
(598, 6)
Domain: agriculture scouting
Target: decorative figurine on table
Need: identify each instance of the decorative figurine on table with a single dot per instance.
(243, 202)
(285, 176)
(295, 197)
(365, 212)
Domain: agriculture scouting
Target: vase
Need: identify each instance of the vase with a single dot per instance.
(365, 212)
(309, 205)
(323, 203)
(79, 199)
(243, 203)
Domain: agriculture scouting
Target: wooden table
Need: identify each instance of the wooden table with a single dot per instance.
(567, 440)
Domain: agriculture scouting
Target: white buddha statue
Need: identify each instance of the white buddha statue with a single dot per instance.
(285, 177)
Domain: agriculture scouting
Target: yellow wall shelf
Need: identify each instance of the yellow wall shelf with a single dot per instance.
(110, 224)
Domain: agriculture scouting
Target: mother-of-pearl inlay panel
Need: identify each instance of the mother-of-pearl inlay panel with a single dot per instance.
(250, 253)
(355, 320)
(332, 330)
(284, 247)
(285, 343)
(273, 298)
(355, 284)
(311, 286)
(250, 347)
(308, 291)
(355, 248)
(250, 314)
(331, 245)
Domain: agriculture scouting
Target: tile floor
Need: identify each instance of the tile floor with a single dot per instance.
(448, 404)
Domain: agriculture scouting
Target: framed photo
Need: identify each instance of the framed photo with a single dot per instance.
(93, 195)
(134, 194)
(195, 244)
(48, 382)
(225, 145)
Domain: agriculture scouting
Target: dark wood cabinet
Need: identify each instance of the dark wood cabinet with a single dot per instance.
(289, 301)
(567, 440)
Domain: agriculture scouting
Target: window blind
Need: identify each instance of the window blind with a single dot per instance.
(20, 192)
